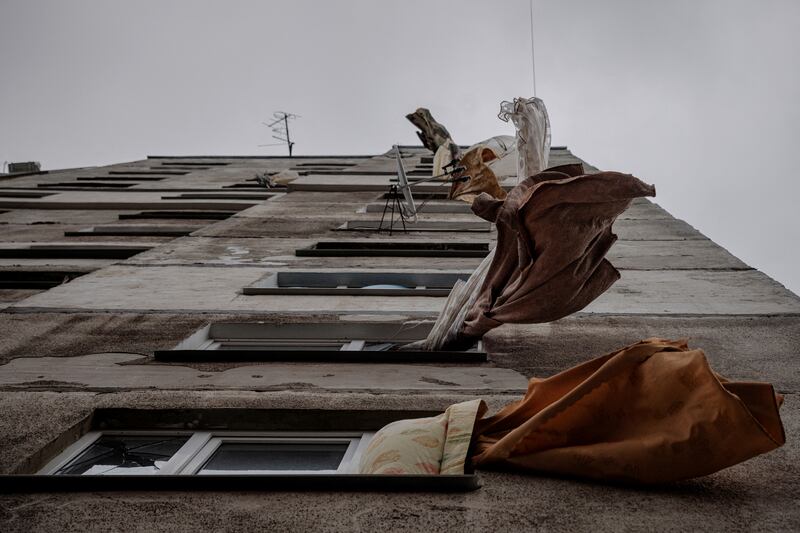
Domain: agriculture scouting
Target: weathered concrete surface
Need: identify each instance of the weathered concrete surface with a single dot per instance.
(9, 296)
(700, 254)
(696, 292)
(109, 371)
(124, 287)
(280, 252)
(743, 348)
(71, 334)
(272, 252)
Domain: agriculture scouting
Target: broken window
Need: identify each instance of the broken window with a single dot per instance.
(109, 453)
(259, 449)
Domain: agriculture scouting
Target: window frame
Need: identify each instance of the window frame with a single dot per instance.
(268, 339)
(372, 248)
(201, 445)
(355, 283)
(433, 226)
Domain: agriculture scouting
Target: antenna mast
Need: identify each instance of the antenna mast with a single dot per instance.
(280, 129)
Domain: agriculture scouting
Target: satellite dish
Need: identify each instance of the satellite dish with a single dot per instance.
(408, 208)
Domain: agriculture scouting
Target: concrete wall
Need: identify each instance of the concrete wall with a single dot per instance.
(88, 344)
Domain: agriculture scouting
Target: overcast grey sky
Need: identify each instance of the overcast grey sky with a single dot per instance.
(698, 97)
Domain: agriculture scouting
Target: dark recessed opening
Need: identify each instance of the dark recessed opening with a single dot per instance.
(190, 169)
(345, 172)
(120, 178)
(193, 164)
(149, 172)
(36, 279)
(255, 186)
(394, 249)
(364, 283)
(420, 196)
(219, 196)
(167, 215)
(25, 194)
(326, 164)
(421, 225)
(133, 231)
(46, 251)
(354, 342)
(87, 185)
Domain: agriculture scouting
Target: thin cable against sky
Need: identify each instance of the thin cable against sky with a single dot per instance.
(533, 50)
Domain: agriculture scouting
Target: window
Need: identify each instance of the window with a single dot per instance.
(395, 249)
(57, 251)
(149, 172)
(121, 178)
(186, 214)
(225, 449)
(25, 194)
(133, 230)
(207, 453)
(422, 225)
(449, 206)
(36, 279)
(86, 185)
(193, 163)
(340, 342)
(420, 196)
(357, 283)
(220, 196)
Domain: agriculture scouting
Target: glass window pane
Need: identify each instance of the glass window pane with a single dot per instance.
(253, 457)
(129, 455)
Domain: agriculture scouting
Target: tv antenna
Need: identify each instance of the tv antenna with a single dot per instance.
(280, 129)
(407, 209)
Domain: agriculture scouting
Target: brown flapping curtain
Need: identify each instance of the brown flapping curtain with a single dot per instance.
(554, 230)
(650, 413)
(477, 176)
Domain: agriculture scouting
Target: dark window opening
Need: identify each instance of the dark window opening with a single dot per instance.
(357, 283)
(86, 185)
(121, 178)
(137, 231)
(169, 215)
(124, 454)
(420, 196)
(36, 279)
(394, 249)
(25, 194)
(50, 251)
(326, 164)
(149, 172)
(422, 225)
(219, 196)
(348, 342)
(193, 163)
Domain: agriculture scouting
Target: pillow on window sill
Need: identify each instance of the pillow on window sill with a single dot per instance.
(435, 445)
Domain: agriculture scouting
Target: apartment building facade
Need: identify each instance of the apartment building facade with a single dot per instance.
(193, 317)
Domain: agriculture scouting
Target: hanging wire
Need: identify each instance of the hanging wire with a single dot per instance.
(533, 50)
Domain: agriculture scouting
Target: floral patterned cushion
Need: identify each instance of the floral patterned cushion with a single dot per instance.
(435, 445)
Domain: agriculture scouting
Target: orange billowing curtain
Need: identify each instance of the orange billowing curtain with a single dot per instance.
(652, 412)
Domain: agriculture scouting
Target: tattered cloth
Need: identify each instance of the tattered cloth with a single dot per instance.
(554, 230)
(652, 412)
